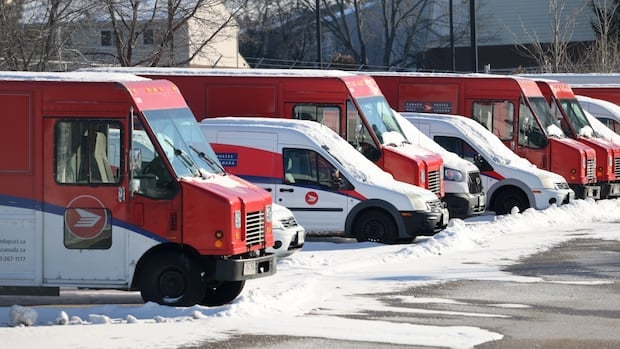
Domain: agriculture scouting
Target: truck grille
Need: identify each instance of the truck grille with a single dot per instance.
(590, 170)
(288, 222)
(254, 228)
(434, 182)
(617, 168)
(474, 182)
(435, 205)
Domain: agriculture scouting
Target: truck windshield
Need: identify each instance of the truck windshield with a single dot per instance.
(184, 144)
(382, 121)
(576, 116)
(542, 110)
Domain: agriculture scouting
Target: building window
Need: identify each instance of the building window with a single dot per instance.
(106, 38)
(148, 37)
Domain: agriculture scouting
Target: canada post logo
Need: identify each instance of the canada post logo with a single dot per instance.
(227, 159)
(85, 217)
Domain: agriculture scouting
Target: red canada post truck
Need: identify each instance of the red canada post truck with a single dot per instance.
(604, 86)
(513, 108)
(575, 124)
(107, 182)
(351, 105)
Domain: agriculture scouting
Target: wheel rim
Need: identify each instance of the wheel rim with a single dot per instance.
(172, 285)
(374, 230)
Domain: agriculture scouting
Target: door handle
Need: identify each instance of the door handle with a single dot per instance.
(290, 190)
(267, 189)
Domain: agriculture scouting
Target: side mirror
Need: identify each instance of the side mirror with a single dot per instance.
(135, 159)
(134, 186)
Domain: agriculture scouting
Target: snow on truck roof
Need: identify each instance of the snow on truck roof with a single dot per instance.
(69, 76)
(224, 71)
(448, 75)
(351, 159)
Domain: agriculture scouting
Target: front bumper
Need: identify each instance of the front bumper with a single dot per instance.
(463, 205)
(245, 269)
(426, 222)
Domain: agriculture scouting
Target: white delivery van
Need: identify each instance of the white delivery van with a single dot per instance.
(330, 187)
(606, 112)
(465, 195)
(510, 181)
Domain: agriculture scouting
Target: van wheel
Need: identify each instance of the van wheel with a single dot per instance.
(509, 198)
(172, 279)
(222, 292)
(376, 226)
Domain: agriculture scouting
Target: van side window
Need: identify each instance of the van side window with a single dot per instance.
(496, 116)
(326, 115)
(303, 166)
(87, 152)
(463, 150)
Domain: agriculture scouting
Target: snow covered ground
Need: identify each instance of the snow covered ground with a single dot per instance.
(316, 286)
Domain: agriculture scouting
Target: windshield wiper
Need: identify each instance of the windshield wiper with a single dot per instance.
(187, 161)
(207, 159)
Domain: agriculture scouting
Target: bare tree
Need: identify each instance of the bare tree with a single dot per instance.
(346, 20)
(170, 27)
(34, 32)
(403, 21)
(278, 29)
(604, 54)
(555, 55)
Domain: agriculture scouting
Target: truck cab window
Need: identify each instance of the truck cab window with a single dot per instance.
(359, 136)
(530, 133)
(326, 115)
(152, 178)
(495, 116)
(88, 152)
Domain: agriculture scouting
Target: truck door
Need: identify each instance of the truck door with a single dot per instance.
(83, 196)
(310, 192)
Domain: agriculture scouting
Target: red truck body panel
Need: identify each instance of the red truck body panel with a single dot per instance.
(274, 93)
(494, 101)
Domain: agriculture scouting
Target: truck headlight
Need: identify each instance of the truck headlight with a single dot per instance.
(268, 213)
(238, 219)
(450, 174)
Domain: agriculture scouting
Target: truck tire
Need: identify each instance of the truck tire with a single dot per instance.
(222, 293)
(172, 279)
(376, 226)
(509, 198)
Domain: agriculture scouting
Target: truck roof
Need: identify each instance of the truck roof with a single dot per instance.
(70, 76)
(590, 79)
(447, 75)
(224, 71)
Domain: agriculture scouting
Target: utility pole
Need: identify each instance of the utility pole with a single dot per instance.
(452, 49)
(472, 29)
(319, 56)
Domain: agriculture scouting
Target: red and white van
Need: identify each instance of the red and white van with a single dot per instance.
(330, 187)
